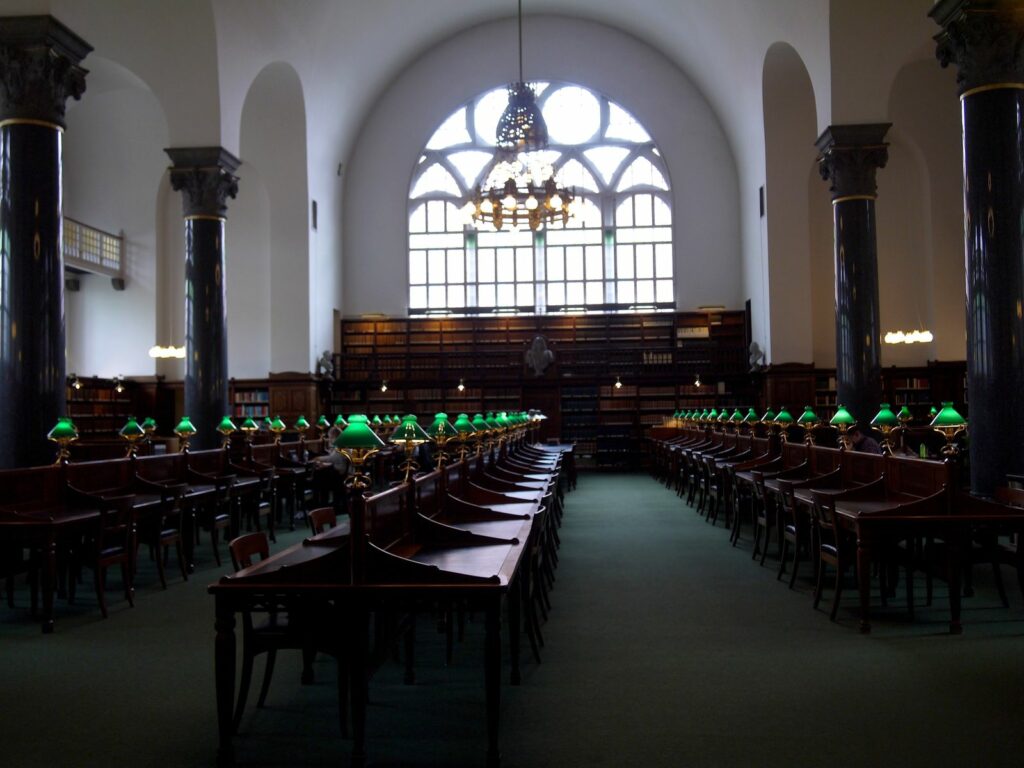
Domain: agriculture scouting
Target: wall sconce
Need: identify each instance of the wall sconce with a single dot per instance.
(74, 382)
(696, 381)
(384, 385)
(462, 386)
(119, 384)
(618, 383)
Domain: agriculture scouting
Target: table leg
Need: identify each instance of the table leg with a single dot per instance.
(49, 577)
(358, 687)
(492, 679)
(954, 548)
(516, 596)
(864, 583)
(224, 675)
(188, 537)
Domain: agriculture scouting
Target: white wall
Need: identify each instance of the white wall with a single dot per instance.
(112, 165)
(273, 143)
(789, 130)
(247, 277)
(700, 163)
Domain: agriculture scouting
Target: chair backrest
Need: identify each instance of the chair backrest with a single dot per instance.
(823, 511)
(758, 478)
(246, 547)
(322, 518)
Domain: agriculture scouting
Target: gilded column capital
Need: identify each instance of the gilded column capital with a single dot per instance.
(206, 178)
(984, 39)
(39, 69)
(849, 155)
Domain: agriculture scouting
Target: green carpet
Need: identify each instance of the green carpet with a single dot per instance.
(665, 647)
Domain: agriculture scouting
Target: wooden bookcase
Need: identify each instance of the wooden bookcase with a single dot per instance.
(98, 410)
(423, 360)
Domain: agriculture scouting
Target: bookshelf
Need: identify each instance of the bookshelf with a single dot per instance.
(97, 409)
(422, 361)
(249, 399)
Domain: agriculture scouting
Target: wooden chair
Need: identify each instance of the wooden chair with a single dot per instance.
(112, 542)
(834, 548)
(763, 517)
(794, 532)
(322, 518)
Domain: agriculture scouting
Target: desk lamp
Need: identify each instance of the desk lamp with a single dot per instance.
(949, 424)
(64, 433)
(357, 443)
(809, 421)
(226, 427)
(409, 435)
(466, 430)
(133, 433)
(783, 421)
(249, 428)
(887, 423)
(842, 421)
(441, 431)
(184, 430)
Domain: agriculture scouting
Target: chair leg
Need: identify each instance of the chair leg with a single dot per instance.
(214, 536)
(161, 561)
(129, 588)
(767, 538)
(98, 579)
(243, 688)
(796, 562)
(839, 591)
(268, 672)
(782, 558)
(819, 584)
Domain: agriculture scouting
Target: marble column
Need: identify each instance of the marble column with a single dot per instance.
(39, 71)
(849, 157)
(205, 177)
(985, 41)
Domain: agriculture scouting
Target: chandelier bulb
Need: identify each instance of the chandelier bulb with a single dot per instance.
(486, 206)
(555, 201)
(531, 203)
(509, 202)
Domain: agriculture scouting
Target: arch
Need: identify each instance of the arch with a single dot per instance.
(790, 127)
(926, 123)
(273, 148)
(113, 149)
(425, 93)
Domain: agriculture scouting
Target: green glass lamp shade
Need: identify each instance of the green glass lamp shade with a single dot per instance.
(64, 429)
(358, 435)
(843, 418)
(769, 417)
(377, 421)
(358, 418)
(249, 425)
(131, 429)
(463, 425)
(387, 420)
(932, 412)
(277, 425)
(885, 417)
(409, 431)
(301, 424)
(703, 415)
(502, 419)
(492, 423)
(713, 415)
(226, 426)
(783, 418)
(323, 423)
(185, 427)
(737, 416)
(808, 417)
(149, 425)
(948, 417)
(442, 427)
(480, 423)
(905, 415)
(751, 417)
(340, 421)
(266, 422)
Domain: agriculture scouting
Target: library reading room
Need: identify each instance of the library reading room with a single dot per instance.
(511, 383)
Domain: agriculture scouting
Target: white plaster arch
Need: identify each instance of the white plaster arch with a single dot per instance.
(273, 141)
(663, 99)
(790, 126)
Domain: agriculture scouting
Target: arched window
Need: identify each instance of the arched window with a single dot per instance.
(615, 254)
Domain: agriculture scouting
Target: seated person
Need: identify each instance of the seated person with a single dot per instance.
(333, 458)
(860, 441)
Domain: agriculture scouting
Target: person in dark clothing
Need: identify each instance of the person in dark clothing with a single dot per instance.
(862, 442)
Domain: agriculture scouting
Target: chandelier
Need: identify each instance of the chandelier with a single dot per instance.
(521, 188)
